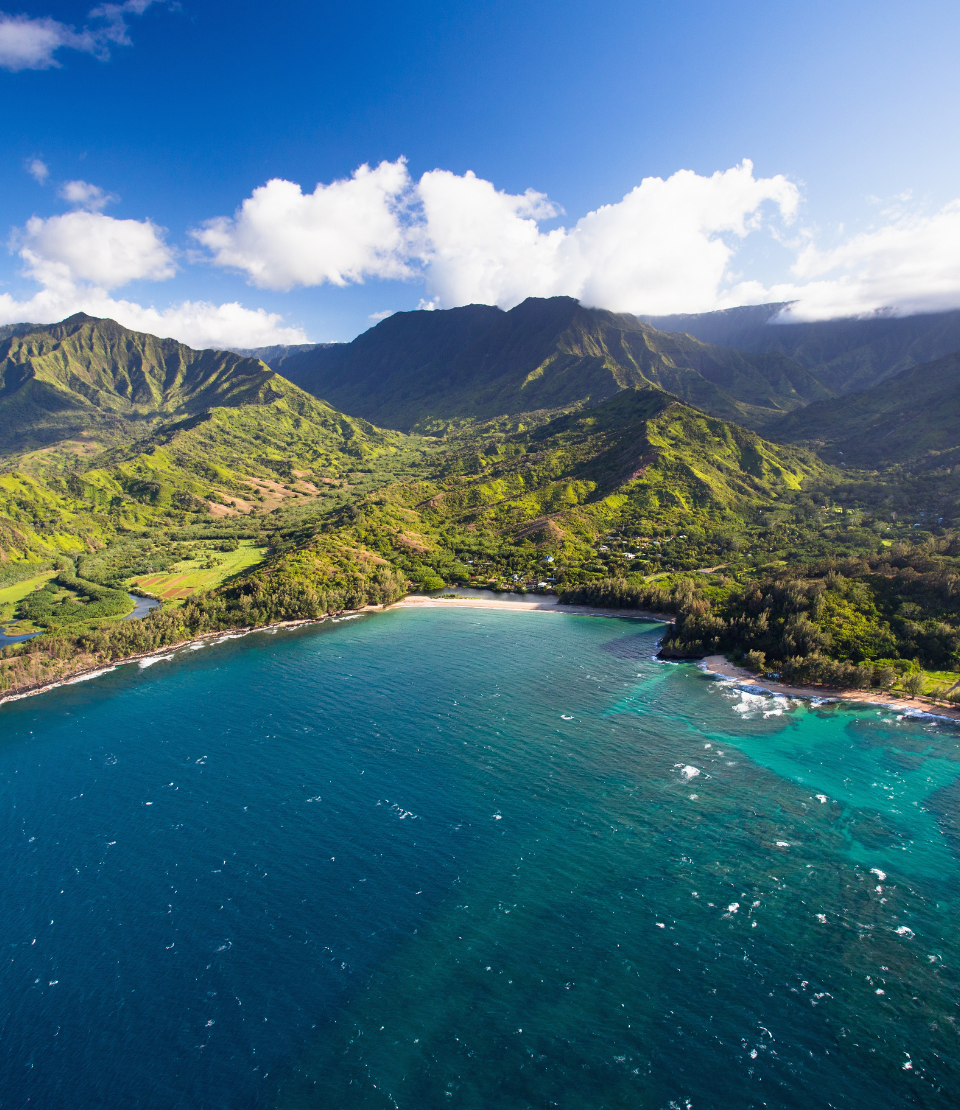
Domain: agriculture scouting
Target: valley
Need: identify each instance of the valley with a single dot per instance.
(552, 447)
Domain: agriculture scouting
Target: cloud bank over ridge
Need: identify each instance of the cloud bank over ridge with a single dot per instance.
(667, 246)
(670, 245)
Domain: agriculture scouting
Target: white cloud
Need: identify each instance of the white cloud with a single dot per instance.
(27, 43)
(115, 17)
(38, 170)
(196, 323)
(82, 194)
(77, 258)
(665, 247)
(378, 316)
(339, 233)
(484, 246)
(31, 43)
(88, 246)
(910, 265)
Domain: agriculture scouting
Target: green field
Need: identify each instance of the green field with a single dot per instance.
(10, 595)
(191, 575)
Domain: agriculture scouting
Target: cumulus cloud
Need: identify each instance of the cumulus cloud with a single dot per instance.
(196, 323)
(38, 170)
(77, 258)
(88, 246)
(665, 247)
(82, 194)
(339, 233)
(910, 265)
(27, 43)
(483, 245)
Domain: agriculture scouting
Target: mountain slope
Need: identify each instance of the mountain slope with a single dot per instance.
(479, 362)
(86, 377)
(911, 417)
(125, 431)
(845, 355)
(275, 356)
(510, 499)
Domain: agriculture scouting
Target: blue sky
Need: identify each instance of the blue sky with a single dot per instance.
(848, 112)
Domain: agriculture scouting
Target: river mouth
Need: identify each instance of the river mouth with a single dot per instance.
(7, 641)
(141, 607)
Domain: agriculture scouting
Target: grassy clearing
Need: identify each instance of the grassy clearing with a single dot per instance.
(938, 680)
(10, 595)
(207, 571)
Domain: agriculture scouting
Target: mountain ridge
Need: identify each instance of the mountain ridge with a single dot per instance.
(912, 417)
(846, 354)
(85, 375)
(417, 369)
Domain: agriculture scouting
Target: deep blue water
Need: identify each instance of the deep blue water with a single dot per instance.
(471, 859)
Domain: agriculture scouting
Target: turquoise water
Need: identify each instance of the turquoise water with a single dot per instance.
(471, 859)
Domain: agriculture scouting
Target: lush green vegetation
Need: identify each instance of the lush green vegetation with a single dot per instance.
(858, 621)
(69, 600)
(911, 418)
(244, 501)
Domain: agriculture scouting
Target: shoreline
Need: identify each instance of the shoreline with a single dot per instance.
(719, 665)
(410, 601)
(162, 653)
(712, 664)
(544, 604)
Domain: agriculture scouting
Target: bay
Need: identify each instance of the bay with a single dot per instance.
(471, 858)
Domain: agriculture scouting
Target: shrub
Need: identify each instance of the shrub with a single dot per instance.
(913, 684)
(884, 677)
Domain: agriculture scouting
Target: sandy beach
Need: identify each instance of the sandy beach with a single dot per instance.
(718, 664)
(714, 664)
(541, 603)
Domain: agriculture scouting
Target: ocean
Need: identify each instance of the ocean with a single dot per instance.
(469, 858)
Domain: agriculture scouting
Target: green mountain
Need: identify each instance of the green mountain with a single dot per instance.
(639, 483)
(575, 445)
(6, 330)
(107, 430)
(641, 460)
(428, 368)
(912, 418)
(93, 379)
(844, 355)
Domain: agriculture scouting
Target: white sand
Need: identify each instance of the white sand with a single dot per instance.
(717, 664)
(544, 603)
